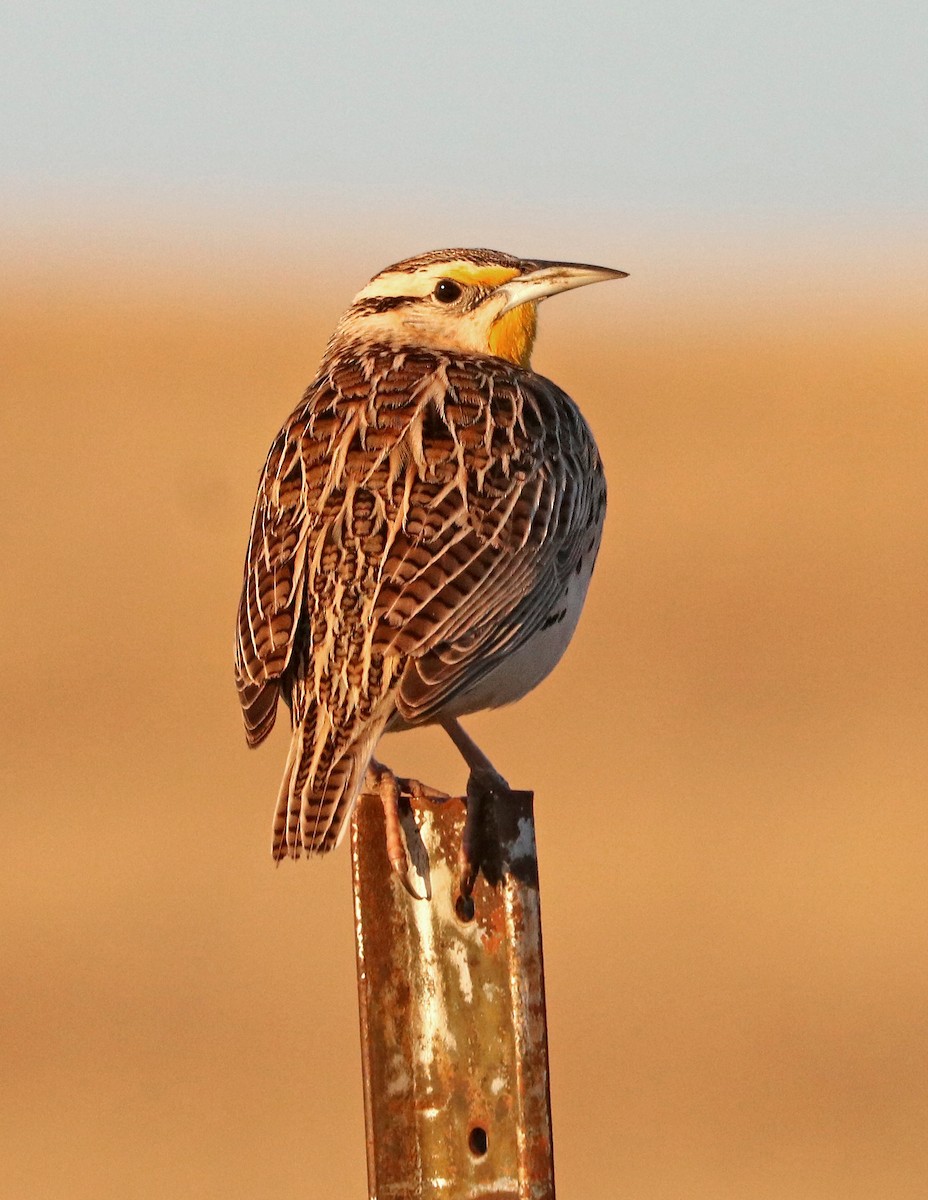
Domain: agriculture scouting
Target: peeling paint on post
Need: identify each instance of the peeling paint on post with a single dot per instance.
(453, 1035)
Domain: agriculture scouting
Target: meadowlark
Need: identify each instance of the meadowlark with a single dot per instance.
(423, 536)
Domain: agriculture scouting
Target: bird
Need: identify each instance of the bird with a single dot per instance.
(423, 536)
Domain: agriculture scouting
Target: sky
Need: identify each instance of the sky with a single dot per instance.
(753, 119)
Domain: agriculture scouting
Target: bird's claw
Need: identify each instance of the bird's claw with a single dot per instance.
(485, 786)
(409, 879)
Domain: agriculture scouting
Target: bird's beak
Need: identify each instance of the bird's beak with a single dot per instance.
(548, 278)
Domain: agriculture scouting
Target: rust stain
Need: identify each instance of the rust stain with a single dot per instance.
(453, 1034)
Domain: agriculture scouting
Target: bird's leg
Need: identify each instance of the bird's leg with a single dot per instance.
(480, 766)
(484, 784)
(383, 783)
(395, 794)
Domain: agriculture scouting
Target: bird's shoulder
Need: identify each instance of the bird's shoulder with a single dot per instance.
(442, 412)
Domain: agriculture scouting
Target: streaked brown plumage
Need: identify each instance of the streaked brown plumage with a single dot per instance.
(424, 531)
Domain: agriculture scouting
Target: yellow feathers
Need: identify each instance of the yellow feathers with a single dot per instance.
(479, 274)
(513, 335)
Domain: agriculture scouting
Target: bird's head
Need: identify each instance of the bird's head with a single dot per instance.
(476, 301)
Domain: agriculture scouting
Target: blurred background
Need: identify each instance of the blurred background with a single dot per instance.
(735, 917)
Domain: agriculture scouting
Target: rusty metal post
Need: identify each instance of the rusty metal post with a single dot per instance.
(453, 1034)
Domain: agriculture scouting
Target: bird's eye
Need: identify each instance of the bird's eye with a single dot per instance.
(447, 291)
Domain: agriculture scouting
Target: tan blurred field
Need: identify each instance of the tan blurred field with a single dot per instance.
(731, 765)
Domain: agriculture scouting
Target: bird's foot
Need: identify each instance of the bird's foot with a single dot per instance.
(395, 794)
(415, 789)
(381, 781)
(485, 786)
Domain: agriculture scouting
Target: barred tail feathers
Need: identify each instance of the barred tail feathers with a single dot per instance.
(322, 779)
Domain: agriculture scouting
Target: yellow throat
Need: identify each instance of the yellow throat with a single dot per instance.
(513, 335)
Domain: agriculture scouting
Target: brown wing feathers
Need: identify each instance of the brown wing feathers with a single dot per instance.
(272, 593)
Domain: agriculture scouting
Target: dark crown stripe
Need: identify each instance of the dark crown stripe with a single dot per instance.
(382, 304)
(480, 258)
